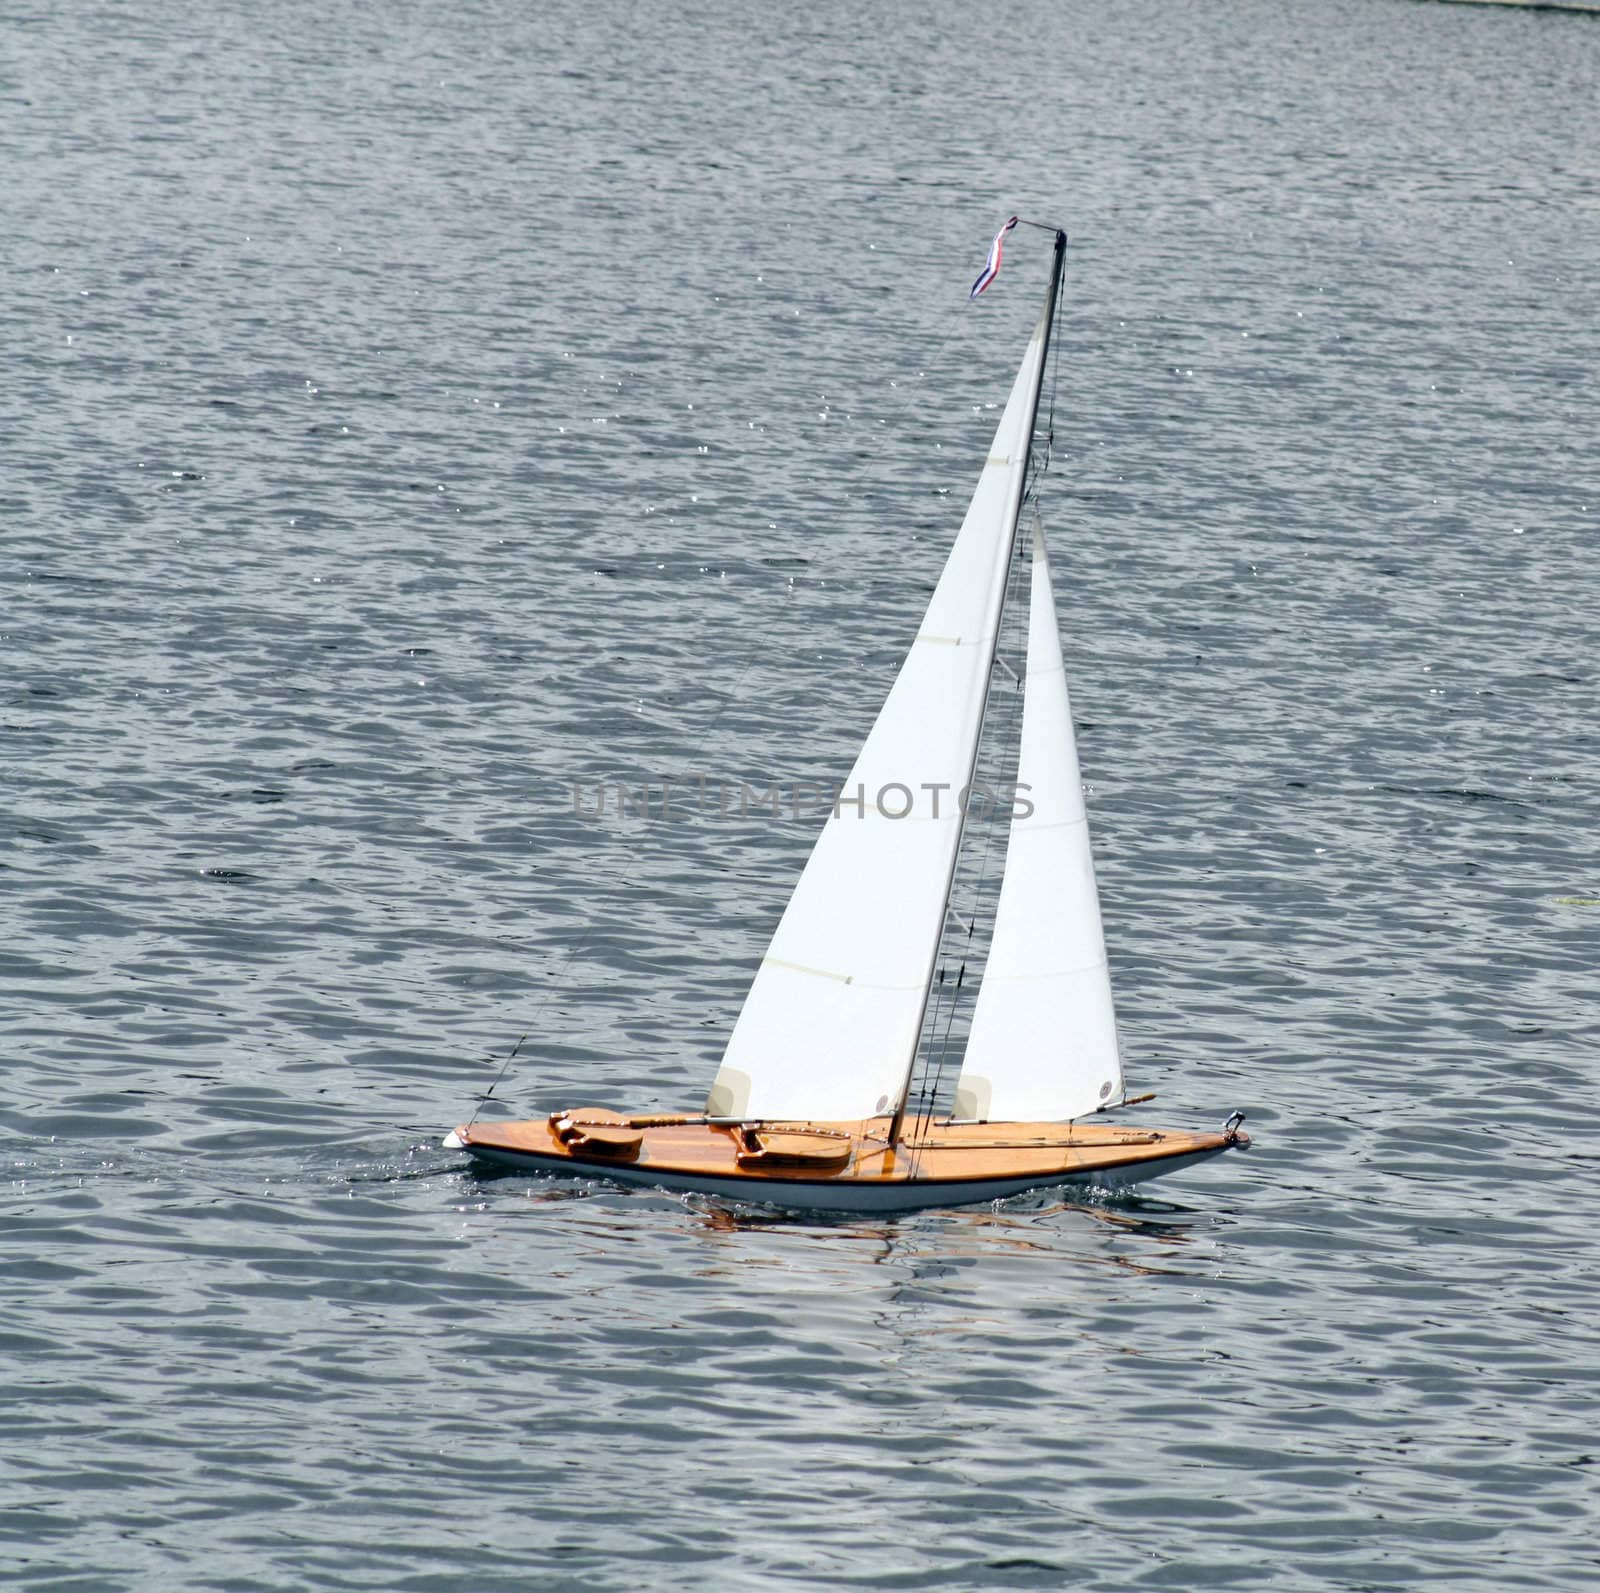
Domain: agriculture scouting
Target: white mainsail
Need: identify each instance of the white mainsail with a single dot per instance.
(1043, 1044)
(831, 1024)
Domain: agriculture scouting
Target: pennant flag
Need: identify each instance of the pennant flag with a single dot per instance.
(991, 267)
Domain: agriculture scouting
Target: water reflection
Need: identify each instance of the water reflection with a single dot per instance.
(1096, 1229)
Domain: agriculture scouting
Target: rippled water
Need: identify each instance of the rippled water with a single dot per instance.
(414, 412)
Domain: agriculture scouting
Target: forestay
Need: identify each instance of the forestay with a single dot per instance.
(831, 1024)
(1043, 1044)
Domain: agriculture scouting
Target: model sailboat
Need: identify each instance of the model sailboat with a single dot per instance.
(810, 1105)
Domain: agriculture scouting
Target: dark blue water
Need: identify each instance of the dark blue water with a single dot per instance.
(414, 412)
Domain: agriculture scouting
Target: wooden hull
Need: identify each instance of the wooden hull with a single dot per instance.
(942, 1164)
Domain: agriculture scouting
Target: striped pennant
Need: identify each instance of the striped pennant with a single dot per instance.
(991, 267)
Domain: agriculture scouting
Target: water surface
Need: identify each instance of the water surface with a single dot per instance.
(415, 413)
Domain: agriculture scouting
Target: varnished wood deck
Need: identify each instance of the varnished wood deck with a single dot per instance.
(938, 1163)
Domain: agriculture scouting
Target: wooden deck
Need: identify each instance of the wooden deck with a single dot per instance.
(936, 1163)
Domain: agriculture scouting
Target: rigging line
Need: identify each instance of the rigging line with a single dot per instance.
(1007, 738)
(938, 998)
(949, 1023)
(921, 1092)
(1055, 377)
(928, 1092)
(483, 1100)
(505, 1067)
(1004, 736)
(936, 1065)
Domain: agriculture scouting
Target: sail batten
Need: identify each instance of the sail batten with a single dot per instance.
(870, 905)
(1043, 1042)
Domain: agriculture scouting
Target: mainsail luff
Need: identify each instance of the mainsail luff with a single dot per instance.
(832, 1022)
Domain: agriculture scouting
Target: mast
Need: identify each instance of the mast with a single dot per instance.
(1014, 514)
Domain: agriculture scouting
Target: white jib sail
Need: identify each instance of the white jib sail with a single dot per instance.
(1043, 1045)
(832, 1021)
